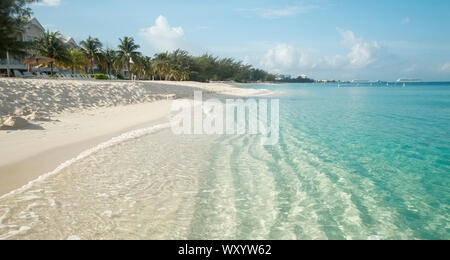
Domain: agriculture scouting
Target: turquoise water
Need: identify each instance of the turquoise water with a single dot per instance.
(388, 148)
(355, 162)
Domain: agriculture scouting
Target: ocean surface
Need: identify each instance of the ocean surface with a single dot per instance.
(353, 162)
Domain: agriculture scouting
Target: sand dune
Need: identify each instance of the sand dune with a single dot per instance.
(40, 99)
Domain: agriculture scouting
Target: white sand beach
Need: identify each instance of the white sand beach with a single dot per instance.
(47, 122)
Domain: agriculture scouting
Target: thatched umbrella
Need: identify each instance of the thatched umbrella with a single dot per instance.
(36, 60)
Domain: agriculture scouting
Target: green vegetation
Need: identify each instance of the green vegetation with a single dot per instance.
(101, 76)
(178, 65)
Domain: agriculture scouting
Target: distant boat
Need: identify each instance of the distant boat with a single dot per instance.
(360, 81)
(409, 80)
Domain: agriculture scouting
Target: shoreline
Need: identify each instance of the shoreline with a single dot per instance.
(53, 148)
(27, 154)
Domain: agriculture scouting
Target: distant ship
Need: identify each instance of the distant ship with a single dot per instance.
(409, 80)
(360, 81)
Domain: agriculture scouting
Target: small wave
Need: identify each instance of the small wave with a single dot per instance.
(114, 141)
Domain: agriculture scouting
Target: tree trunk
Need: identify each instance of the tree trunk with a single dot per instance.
(51, 68)
(129, 69)
(92, 66)
(7, 64)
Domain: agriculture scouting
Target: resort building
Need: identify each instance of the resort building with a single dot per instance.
(70, 42)
(303, 76)
(32, 31)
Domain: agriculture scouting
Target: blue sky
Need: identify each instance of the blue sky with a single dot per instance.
(325, 39)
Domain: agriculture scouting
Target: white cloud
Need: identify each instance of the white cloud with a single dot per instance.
(48, 3)
(281, 57)
(406, 20)
(287, 58)
(162, 37)
(362, 53)
(445, 67)
(274, 13)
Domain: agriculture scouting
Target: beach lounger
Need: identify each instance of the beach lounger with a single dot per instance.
(18, 74)
(27, 74)
(42, 76)
(68, 76)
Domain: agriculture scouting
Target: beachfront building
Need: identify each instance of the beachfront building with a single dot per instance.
(303, 76)
(32, 31)
(70, 42)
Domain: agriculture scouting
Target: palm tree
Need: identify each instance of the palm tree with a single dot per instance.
(92, 48)
(138, 66)
(184, 74)
(77, 60)
(109, 57)
(163, 69)
(153, 69)
(162, 65)
(142, 67)
(51, 45)
(173, 73)
(148, 67)
(145, 64)
(127, 51)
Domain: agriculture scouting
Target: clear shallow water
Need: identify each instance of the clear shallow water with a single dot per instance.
(354, 162)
